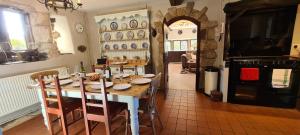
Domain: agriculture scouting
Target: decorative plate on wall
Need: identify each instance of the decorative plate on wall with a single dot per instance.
(194, 30)
(179, 32)
(114, 26)
(79, 28)
(124, 26)
(133, 23)
(124, 46)
(116, 46)
(133, 46)
(145, 45)
(106, 47)
(119, 35)
(141, 34)
(144, 24)
(106, 36)
(130, 35)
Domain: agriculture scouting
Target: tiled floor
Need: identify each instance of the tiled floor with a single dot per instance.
(176, 78)
(186, 112)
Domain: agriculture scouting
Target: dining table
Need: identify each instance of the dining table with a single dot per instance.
(129, 96)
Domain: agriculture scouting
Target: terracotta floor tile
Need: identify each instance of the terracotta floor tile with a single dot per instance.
(215, 132)
(191, 123)
(189, 112)
(192, 129)
(203, 131)
(181, 127)
(179, 132)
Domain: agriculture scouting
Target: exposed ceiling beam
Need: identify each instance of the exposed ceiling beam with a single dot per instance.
(176, 2)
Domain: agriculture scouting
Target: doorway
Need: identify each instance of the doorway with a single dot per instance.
(182, 53)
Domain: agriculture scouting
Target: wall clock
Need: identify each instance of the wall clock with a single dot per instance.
(79, 28)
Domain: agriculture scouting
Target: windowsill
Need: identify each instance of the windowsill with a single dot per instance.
(66, 53)
(18, 62)
(14, 62)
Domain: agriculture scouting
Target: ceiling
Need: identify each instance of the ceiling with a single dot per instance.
(182, 24)
(90, 5)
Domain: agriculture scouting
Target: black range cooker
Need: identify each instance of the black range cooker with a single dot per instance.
(261, 91)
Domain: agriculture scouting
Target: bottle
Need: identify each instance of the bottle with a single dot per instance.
(108, 72)
(82, 70)
(136, 70)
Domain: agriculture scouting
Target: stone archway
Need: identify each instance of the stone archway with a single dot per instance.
(208, 43)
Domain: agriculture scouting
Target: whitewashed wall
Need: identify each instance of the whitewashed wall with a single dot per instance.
(62, 60)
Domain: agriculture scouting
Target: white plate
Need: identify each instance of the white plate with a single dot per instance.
(141, 81)
(149, 75)
(98, 86)
(119, 75)
(122, 86)
(62, 77)
(63, 82)
(76, 84)
(91, 74)
(92, 83)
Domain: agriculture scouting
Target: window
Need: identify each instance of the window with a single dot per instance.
(183, 45)
(176, 46)
(13, 31)
(180, 45)
(194, 44)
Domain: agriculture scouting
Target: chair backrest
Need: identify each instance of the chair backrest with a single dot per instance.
(43, 74)
(154, 88)
(47, 99)
(87, 104)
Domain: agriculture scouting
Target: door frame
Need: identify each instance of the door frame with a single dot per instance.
(165, 61)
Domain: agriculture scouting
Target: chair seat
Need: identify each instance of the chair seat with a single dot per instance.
(115, 108)
(69, 103)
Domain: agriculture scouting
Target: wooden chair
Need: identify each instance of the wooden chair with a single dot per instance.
(101, 112)
(57, 105)
(150, 101)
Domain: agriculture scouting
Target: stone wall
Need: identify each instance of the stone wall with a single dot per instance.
(40, 27)
(208, 44)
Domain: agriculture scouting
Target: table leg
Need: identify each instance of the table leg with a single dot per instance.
(43, 107)
(133, 106)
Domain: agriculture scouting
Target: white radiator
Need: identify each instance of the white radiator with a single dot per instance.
(16, 100)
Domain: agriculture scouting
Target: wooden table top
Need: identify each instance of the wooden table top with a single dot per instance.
(135, 90)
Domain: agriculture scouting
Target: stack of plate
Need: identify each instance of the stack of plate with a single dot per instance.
(141, 81)
(99, 85)
(63, 82)
(123, 86)
(149, 75)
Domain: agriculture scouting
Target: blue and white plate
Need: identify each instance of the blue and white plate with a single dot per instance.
(130, 35)
(124, 46)
(106, 36)
(141, 34)
(119, 35)
(116, 46)
(145, 45)
(114, 26)
(107, 47)
(133, 46)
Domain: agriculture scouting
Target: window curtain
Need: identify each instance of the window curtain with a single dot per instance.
(28, 32)
(4, 39)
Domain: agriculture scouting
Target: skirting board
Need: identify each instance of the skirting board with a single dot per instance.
(17, 114)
